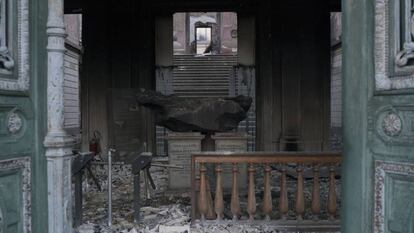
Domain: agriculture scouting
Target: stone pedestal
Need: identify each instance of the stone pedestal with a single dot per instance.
(180, 148)
(232, 142)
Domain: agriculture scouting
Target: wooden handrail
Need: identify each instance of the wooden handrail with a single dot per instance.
(267, 157)
(312, 160)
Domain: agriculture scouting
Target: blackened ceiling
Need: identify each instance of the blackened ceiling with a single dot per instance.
(168, 6)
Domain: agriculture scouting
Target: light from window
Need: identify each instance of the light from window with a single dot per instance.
(203, 37)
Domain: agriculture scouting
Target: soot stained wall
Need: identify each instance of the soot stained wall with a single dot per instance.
(292, 64)
(293, 70)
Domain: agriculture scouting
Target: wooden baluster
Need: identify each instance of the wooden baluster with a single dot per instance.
(267, 198)
(210, 206)
(202, 200)
(251, 196)
(300, 199)
(283, 203)
(235, 203)
(316, 203)
(197, 194)
(218, 201)
(332, 194)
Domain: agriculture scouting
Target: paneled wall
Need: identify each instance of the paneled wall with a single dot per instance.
(118, 42)
(72, 66)
(293, 76)
(72, 92)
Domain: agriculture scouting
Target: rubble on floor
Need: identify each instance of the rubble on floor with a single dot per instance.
(161, 215)
(170, 212)
(154, 213)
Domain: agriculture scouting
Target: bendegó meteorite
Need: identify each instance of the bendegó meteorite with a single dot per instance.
(206, 115)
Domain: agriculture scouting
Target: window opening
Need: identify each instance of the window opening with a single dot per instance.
(203, 40)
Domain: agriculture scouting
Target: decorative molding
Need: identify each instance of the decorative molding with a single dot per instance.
(22, 164)
(394, 125)
(21, 81)
(15, 123)
(391, 124)
(391, 61)
(382, 170)
(406, 53)
(6, 59)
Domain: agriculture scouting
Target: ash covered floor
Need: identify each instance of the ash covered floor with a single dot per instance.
(155, 213)
(169, 212)
(163, 215)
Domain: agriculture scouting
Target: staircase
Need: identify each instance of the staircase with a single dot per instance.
(197, 77)
(203, 76)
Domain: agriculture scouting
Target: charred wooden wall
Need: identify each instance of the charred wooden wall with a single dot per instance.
(118, 41)
(292, 64)
(293, 75)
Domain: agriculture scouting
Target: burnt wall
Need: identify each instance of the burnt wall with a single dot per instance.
(119, 54)
(293, 75)
(292, 63)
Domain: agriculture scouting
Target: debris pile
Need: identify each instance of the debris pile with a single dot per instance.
(156, 215)
(169, 212)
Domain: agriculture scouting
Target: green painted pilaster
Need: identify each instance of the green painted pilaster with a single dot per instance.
(38, 61)
(358, 76)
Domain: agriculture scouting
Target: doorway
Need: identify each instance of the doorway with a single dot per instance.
(205, 60)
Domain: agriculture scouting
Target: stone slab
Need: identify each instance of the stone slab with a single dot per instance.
(180, 148)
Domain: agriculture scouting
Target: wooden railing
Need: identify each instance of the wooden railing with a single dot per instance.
(204, 208)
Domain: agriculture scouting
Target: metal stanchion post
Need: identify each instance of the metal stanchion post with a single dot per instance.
(110, 186)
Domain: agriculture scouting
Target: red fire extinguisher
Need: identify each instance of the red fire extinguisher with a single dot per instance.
(94, 143)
